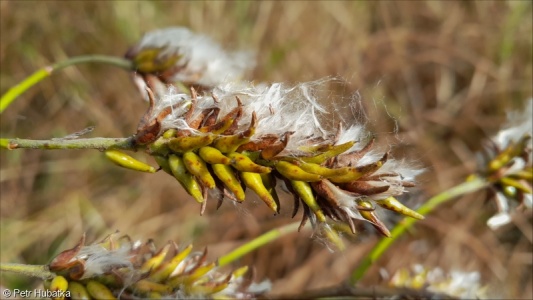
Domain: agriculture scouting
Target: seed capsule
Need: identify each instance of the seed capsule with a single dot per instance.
(166, 271)
(226, 175)
(213, 156)
(230, 143)
(320, 170)
(505, 156)
(99, 291)
(78, 291)
(304, 190)
(156, 260)
(334, 151)
(269, 181)
(163, 163)
(519, 185)
(170, 133)
(189, 143)
(333, 236)
(207, 288)
(245, 164)
(145, 286)
(128, 162)
(197, 167)
(199, 272)
(358, 172)
(392, 204)
(151, 61)
(253, 181)
(177, 166)
(371, 217)
(293, 172)
(59, 283)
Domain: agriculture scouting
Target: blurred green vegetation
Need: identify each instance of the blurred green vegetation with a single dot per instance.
(436, 78)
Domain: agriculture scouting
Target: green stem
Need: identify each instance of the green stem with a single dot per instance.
(28, 270)
(45, 72)
(466, 187)
(258, 242)
(73, 144)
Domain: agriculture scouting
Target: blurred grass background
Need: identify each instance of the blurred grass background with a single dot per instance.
(436, 78)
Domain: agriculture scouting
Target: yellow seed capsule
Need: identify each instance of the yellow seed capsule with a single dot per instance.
(170, 133)
(519, 185)
(177, 166)
(99, 291)
(163, 163)
(393, 204)
(244, 164)
(357, 172)
(230, 143)
(198, 168)
(525, 174)
(189, 143)
(213, 156)
(151, 61)
(199, 272)
(227, 176)
(511, 151)
(219, 127)
(253, 181)
(305, 192)
(334, 237)
(78, 291)
(320, 170)
(154, 295)
(59, 284)
(159, 147)
(46, 284)
(293, 172)
(239, 272)
(208, 288)
(332, 152)
(166, 271)
(156, 260)
(269, 181)
(128, 162)
(145, 286)
(371, 217)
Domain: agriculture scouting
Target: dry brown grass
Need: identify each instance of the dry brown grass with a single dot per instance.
(444, 72)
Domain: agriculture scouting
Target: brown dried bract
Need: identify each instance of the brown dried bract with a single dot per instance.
(275, 148)
(149, 128)
(260, 144)
(347, 159)
(364, 188)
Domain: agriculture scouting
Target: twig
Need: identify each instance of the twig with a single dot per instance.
(259, 241)
(346, 291)
(382, 246)
(39, 271)
(54, 144)
(45, 72)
